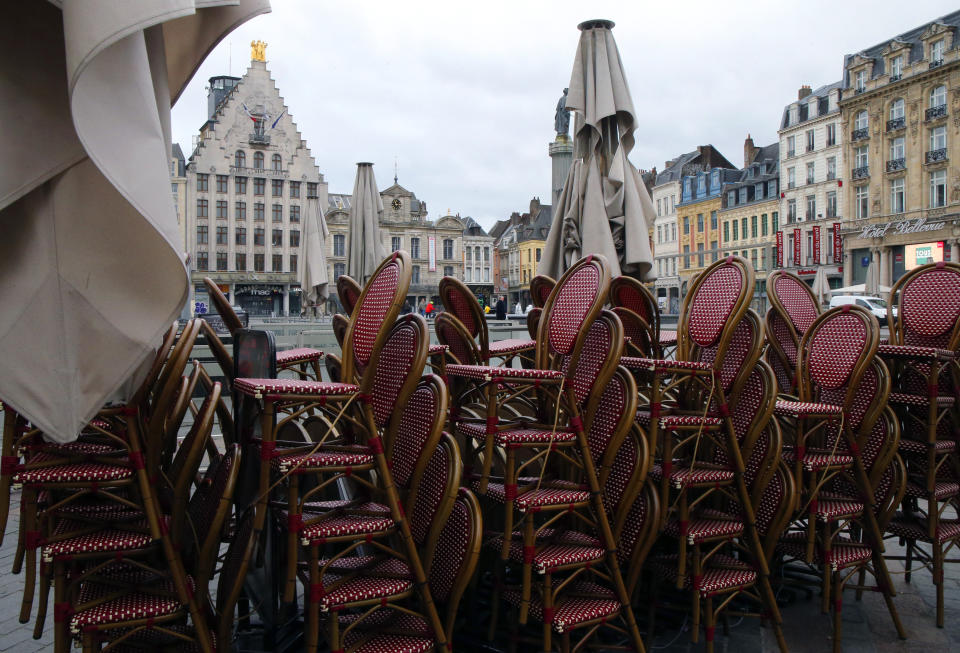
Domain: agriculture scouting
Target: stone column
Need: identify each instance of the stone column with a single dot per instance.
(561, 154)
(886, 271)
(231, 295)
(955, 251)
(847, 263)
(286, 300)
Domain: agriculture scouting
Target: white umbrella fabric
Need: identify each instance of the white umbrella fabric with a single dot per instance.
(604, 207)
(821, 286)
(92, 267)
(312, 262)
(872, 284)
(860, 289)
(365, 251)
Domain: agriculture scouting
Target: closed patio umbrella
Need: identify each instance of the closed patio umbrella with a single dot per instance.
(872, 284)
(312, 262)
(821, 286)
(92, 266)
(604, 207)
(365, 251)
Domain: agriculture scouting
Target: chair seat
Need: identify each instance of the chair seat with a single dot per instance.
(551, 497)
(571, 611)
(843, 553)
(490, 372)
(668, 338)
(497, 492)
(912, 352)
(79, 448)
(280, 388)
(106, 511)
(552, 535)
(371, 565)
(681, 475)
(663, 365)
(297, 356)
(304, 462)
(815, 459)
(75, 472)
(801, 409)
(700, 529)
(911, 529)
(941, 490)
(411, 625)
(670, 422)
(102, 541)
(919, 447)
(943, 401)
(436, 350)
(389, 643)
(344, 525)
(511, 346)
(723, 574)
(552, 556)
(361, 588)
(521, 436)
(833, 508)
(128, 607)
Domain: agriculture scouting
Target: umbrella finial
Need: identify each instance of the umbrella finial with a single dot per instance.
(594, 23)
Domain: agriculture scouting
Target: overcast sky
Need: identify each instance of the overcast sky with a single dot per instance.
(462, 95)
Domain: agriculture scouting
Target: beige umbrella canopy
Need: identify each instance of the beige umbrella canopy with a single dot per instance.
(604, 208)
(872, 284)
(365, 251)
(821, 286)
(91, 262)
(312, 262)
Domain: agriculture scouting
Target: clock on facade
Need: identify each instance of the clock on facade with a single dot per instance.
(395, 204)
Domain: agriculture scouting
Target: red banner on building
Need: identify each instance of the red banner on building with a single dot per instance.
(837, 244)
(796, 247)
(816, 245)
(779, 249)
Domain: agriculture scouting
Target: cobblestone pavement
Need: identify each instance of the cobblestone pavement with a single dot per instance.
(866, 624)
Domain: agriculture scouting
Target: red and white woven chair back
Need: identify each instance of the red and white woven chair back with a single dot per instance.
(452, 333)
(460, 300)
(929, 307)
(782, 354)
(627, 292)
(742, 350)
(348, 291)
(397, 366)
(713, 306)
(794, 299)
(775, 505)
(417, 429)
(540, 288)
(835, 352)
(622, 484)
(868, 398)
(637, 530)
(454, 556)
(208, 511)
(610, 416)
(597, 358)
(754, 402)
(571, 307)
(233, 574)
(433, 496)
(636, 328)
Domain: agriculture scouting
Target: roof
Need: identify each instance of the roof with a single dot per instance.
(177, 153)
(822, 95)
(910, 37)
(472, 227)
(763, 168)
(339, 201)
(498, 228)
(674, 171)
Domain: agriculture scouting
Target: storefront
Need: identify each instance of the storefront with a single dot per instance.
(261, 300)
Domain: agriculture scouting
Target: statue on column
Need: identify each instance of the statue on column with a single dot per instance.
(561, 122)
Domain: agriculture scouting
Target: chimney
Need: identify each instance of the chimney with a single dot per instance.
(749, 151)
(803, 92)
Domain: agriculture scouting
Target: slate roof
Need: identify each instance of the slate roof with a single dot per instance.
(823, 102)
(911, 37)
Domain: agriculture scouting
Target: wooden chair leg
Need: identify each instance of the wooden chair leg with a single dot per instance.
(908, 562)
(30, 537)
(938, 579)
(293, 533)
(44, 597)
(837, 613)
(311, 602)
(710, 625)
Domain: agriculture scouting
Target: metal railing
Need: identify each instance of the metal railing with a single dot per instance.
(859, 134)
(896, 164)
(860, 173)
(896, 123)
(938, 111)
(937, 155)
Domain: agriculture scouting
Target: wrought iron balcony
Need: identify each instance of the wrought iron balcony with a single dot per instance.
(862, 172)
(896, 164)
(259, 139)
(791, 154)
(896, 123)
(936, 112)
(937, 155)
(860, 134)
(859, 90)
(936, 64)
(895, 78)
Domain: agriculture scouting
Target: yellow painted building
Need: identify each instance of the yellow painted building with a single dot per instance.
(698, 221)
(530, 252)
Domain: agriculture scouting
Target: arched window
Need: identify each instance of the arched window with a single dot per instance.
(240, 159)
(862, 121)
(277, 162)
(896, 109)
(938, 96)
(258, 160)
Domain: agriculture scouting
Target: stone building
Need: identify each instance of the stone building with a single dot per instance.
(247, 184)
(901, 113)
(698, 221)
(178, 186)
(478, 261)
(812, 168)
(518, 247)
(749, 214)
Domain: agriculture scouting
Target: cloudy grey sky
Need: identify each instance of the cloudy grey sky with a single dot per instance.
(462, 95)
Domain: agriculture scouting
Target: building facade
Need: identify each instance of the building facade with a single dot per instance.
(901, 114)
(247, 184)
(518, 246)
(811, 183)
(478, 261)
(698, 220)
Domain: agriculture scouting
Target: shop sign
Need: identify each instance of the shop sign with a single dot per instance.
(837, 243)
(432, 252)
(816, 245)
(261, 291)
(802, 271)
(899, 227)
(779, 249)
(865, 261)
(796, 247)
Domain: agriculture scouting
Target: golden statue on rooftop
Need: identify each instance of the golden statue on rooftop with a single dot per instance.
(258, 50)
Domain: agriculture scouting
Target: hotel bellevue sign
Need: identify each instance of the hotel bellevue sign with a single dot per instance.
(917, 225)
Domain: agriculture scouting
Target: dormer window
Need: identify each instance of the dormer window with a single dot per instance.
(701, 185)
(715, 181)
(936, 53)
(896, 67)
(860, 81)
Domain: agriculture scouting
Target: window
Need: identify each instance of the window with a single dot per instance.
(293, 262)
(448, 249)
(311, 189)
(862, 201)
(203, 181)
(277, 212)
(686, 224)
(772, 188)
(810, 140)
(938, 98)
(860, 81)
(222, 181)
(791, 146)
(743, 195)
(699, 223)
(415, 248)
(295, 189)
(339, 244)
(743, 228)
(731, 198)
(240, 185)
(862, 121)
(240, 236)
(294, 238)
(658, 208)
(791, 211)
(240, 159)
(810, 172)
(897, 148)
(715, 251)
(896, 68)
(862, 157)
(831, 168)
(258, 211)
(222, 209)
(277, 263)
(294, 213)
(811, 207)
(791, 177)
(258, 160)
(448, 270)
(763, 259)
(415, 277)
(832, 204)
(776, 222)
(258, 236)
(736, 230)
(673, 229)
(763, 224)
(726, 231)
(832, 134)
(686, 256)
(486, 253)
(659, 233)
(715, 181)
(758, 192)
(221, 260)
(240, 210)
(221, 235)
(277, 162)
(468, 275)
(938, 138)
(938, 188)
(241, 262)
(896, 195)
(277, 187)
(277, 239)
(701, 185)
(203, 209)
(753, 258)
(259, 185)
(202, 234)
(896, 109)
(538, 254)
(700, 255)
(936, 52)
(340, 269)
(753, 226)
(809, 247)
(203, 261)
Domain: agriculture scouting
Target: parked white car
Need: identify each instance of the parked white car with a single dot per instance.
(875, 305)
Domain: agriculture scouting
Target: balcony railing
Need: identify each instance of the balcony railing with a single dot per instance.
(896, 164)
(859, 90)
(937, 155)
(831, 176)
(860, 173)
(259, 139)
(791, 154)
(936, 112)
(860, 134)
(936, 64)
(896, 78)
(896, 123)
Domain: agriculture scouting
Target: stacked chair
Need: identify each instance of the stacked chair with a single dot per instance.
(540, 288)
(637, 309)
(793, 310)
